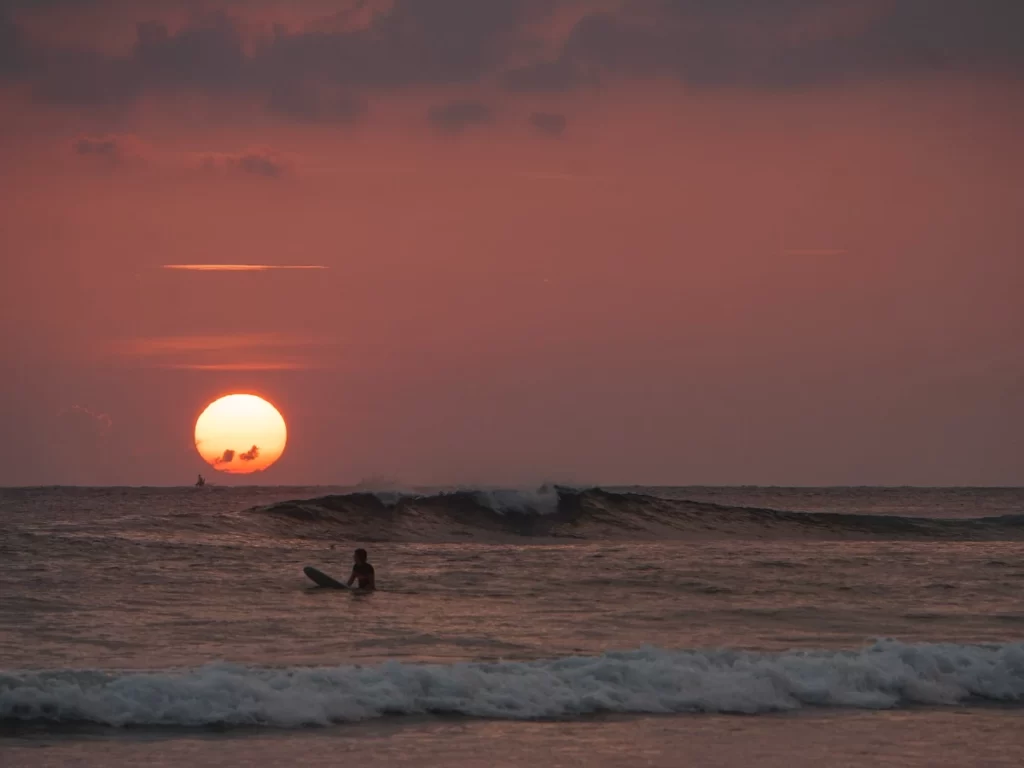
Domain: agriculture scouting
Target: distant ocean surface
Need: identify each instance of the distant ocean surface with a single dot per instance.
(632, 626)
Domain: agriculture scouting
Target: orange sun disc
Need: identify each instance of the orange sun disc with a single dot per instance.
(240, 434)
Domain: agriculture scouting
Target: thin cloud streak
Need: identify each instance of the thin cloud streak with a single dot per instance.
(239, 267)
(169, 345)
(815, 252)
(269, 366)
(549, 175)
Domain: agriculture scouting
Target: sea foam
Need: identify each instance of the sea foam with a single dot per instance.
(887, 674)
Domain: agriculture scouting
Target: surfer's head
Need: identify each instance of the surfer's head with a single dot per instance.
(360, 555)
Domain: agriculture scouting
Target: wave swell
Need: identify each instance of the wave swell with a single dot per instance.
(600, 514)
(885, 675)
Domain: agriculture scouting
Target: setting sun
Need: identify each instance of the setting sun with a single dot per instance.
(240, 434)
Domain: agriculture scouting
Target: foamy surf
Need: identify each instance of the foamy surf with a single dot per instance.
(887, 674)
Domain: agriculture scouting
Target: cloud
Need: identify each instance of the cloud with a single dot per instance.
(87, 421)
(410, 43)
(229, 456)
(169, 345)
(258, 163)
(304, 102)
(550, 176)
(112, 150)
(794, 43)
(413, 43)
(454, 117)
(10, 43)
(83, 79)
(109, 151)
(225, 458)
(824, 252)
(269, 365)
(312, 73)
(254, 162)
(226, 352)
(106, 147)
(559, 75)
(548, 123)
(239, 267)
(210, 50)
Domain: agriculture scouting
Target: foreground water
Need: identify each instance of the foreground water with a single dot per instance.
(510, 629)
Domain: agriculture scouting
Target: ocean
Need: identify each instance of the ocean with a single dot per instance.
(632, 626)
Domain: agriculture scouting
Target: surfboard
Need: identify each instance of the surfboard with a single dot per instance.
(321, 578)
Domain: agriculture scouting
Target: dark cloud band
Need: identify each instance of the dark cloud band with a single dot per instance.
(318, 74)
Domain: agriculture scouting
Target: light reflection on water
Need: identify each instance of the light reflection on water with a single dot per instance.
(841, 739)
(120, 578)
(163, 577)
(162, 603)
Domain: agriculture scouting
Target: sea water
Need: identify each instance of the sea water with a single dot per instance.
(639, 626)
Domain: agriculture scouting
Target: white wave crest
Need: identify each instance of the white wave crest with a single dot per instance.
(543, 500)
(885, 675)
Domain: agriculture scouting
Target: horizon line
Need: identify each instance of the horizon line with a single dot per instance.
(569, 486)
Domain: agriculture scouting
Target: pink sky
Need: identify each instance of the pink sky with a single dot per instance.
(652, 243)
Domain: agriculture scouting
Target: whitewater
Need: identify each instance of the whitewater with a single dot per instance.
(652, 681)
(554, 625)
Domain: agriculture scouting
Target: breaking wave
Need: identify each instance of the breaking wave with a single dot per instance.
(555, 512)
(885, 675)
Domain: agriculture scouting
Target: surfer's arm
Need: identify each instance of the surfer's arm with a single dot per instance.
(351, 578)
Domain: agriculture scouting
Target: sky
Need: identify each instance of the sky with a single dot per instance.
(603, 242)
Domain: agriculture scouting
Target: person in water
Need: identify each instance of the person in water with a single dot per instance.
(362, 571)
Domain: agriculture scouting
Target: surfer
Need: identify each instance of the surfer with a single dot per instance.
(201, 481)
(362, 571)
